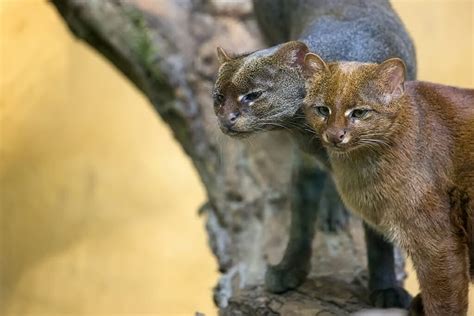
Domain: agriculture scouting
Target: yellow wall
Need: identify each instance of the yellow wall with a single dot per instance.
(97, 202)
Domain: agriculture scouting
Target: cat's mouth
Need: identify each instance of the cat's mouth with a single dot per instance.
(236, 133)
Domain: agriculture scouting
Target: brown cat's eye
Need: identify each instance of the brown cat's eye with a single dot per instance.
(323, 111)
(359, 113)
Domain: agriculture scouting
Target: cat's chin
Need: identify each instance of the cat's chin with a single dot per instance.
(338, 151)
(341, 150)
(346, 150)
(236, 133)
(247, 133)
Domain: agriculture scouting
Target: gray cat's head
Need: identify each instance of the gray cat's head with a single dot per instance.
(259, 91)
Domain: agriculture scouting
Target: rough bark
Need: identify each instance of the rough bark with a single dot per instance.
(167, 49)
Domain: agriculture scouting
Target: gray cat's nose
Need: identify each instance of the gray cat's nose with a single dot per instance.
(232, 118)
(335, 136)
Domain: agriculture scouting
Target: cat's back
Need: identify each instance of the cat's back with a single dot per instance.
(450, 126)
(365, 31)
(454, 105)
(352, 30)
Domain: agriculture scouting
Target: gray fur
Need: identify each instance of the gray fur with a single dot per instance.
(337, 30)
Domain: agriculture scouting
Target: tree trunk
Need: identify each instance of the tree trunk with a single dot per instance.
(167, 49)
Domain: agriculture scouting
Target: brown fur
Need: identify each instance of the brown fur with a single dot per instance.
(406, 166)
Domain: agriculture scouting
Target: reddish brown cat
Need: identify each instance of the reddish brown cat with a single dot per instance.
(402, 155)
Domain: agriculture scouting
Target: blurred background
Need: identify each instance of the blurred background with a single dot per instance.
(98, 204)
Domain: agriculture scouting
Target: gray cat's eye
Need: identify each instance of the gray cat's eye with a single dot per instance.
(250, 97)
(218, 98)
(323, 111)
(359, 113)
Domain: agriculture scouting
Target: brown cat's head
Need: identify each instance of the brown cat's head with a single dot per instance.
(353, 105)
(259, 91)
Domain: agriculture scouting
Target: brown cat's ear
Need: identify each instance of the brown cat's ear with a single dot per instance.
(292, 53)
(391, 73)
(314, 66)
(222, 56)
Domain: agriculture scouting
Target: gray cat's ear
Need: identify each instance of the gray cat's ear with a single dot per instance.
(314, 66)
(292, 53)
(222, 56)
(391, 74)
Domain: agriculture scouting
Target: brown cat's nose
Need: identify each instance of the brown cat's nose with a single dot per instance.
(335, 136)
(231, 119)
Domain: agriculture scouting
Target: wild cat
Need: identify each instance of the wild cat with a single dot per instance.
(402, 155)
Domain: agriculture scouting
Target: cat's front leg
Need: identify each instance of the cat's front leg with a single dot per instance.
(296, 263)
(442, 270)
(385, 291)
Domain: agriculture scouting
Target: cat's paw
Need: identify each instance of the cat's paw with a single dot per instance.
(282, 277)
(416, 307)
(332, 219)
(391, 297)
